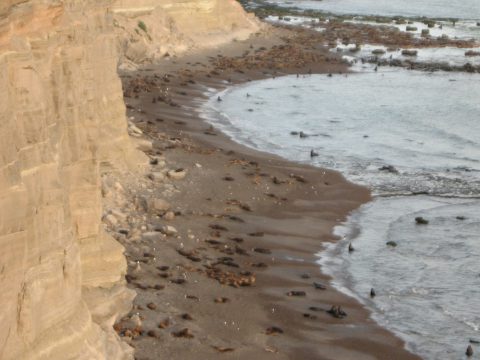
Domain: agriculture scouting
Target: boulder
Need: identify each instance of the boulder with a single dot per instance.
(160, 205)
(144, 145)
(169, 216)
(151, 236)
(156, 176)
(169, 230)
(178, 174)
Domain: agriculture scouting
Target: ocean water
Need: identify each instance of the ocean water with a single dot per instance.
(461, 9)
(426, 128)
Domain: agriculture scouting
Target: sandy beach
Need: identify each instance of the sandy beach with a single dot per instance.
(226, 265)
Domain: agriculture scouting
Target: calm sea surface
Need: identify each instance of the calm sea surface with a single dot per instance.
(461, 9)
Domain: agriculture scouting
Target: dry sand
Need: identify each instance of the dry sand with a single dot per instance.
(239, 274)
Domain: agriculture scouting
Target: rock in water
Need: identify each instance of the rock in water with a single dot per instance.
(407, 52)
(350, 248)
(389, 168)
(421, 221)
(372, 293)
(469, 351)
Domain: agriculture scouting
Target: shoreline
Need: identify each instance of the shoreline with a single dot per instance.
(234, 192)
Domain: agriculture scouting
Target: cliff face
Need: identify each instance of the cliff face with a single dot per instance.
(62, 120)
(150, 29)
(62, 123)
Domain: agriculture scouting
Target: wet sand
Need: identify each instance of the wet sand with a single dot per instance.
(236, 279)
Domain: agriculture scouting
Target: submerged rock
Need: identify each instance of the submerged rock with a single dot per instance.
(389, 168)
(391, 243)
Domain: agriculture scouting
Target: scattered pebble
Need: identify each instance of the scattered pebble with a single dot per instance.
(187, 317)
(184, 333)
(178, 281)
(274, 330)
(152, 333)
(262, 250)
(337, 312)
(319, 286)
(296, 293)
(223, 349)
(221, 300)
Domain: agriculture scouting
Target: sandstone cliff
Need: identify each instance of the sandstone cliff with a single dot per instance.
(62, 120)
(62, 124)
(148, 30)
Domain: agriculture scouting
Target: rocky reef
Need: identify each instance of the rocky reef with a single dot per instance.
(63, 124)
